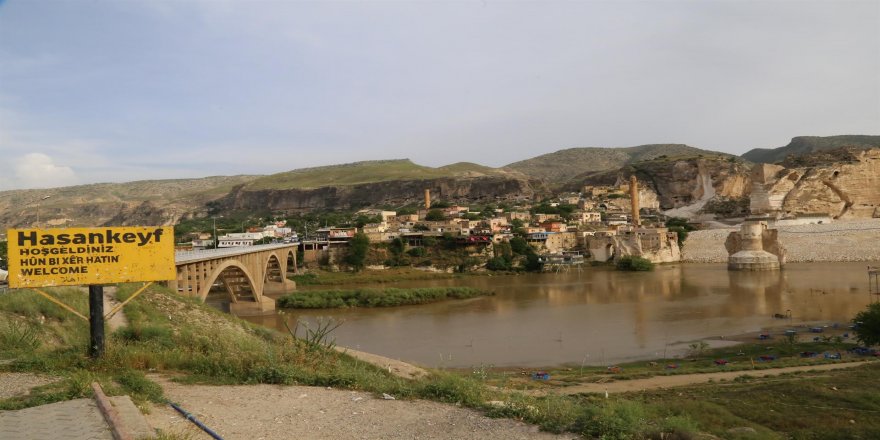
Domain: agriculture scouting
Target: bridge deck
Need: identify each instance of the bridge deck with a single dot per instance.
(182, 257)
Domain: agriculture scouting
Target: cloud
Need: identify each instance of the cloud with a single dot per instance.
(38, 170)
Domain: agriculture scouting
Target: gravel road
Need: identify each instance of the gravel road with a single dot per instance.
(288, 412)
(857, 240)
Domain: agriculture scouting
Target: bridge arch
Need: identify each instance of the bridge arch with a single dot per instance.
(274, 268)
(212, 278)
(291, 261)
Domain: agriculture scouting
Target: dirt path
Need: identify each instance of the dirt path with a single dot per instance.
(395, 367)
(119, 319)
(679, 380)
(297, 412)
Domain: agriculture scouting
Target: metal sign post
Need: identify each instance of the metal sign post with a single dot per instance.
(93, 257)
(96, 321)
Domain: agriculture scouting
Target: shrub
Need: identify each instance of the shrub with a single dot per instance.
(631, 263)
(375, 297)
(417, 252)
(435, 215)
(19, 335)
(498, 263)
(868, 325)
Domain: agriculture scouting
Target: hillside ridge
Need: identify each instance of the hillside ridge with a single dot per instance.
(803, 145)
(563, 165)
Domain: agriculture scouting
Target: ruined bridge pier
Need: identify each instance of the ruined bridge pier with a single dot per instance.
(246, 273)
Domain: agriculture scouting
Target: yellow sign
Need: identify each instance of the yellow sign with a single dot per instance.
(76, 256)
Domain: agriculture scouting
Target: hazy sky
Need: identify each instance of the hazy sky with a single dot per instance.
(95, 91)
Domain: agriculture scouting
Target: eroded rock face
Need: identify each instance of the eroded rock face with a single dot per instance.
(848, 187)
(381, 193)
(683, 182)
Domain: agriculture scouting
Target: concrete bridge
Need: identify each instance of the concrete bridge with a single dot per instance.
(246, 273)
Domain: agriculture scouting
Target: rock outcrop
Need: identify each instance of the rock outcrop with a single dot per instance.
(688, 183)
(843, 183)
(399, 192)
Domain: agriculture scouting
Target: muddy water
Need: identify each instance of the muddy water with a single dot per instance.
(596, 316)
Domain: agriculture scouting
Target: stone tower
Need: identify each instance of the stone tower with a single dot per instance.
(754, 247)
(634, 198)
(427, 198)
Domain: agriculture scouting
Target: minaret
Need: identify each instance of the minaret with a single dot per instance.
(427, 198)
(634, 197)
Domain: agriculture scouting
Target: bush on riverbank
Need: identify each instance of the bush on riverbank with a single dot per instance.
(635, 264)
(326, 299)
(367, 276)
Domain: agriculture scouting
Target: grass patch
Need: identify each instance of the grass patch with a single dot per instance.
(325, 299)
(326, 278)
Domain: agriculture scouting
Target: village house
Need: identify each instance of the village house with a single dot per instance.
(582, 217)
(407, 218)
(517, 215)
(554, 226)
(541, 218)
(570, 200)
(586, 205)
(386, 216)
(376, 232)
(454, 210)
(496, 224)
(562, 241)
(238, 239)
(538, 239)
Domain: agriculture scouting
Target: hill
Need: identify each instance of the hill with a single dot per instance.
(803, 145)
(373, 171)
(563, 165)
(146, 201)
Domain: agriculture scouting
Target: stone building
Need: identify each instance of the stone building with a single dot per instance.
(658, 245)
(754, 247)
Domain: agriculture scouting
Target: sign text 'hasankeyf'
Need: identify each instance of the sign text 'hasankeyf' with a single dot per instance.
(76, 256)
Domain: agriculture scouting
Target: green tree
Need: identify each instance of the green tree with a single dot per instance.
(397, 246)
(362, 220)
(417, 252)
(357, 251)
(533, 262)
(439, 204)
(868, 325)
(631, 263)
(520, 246)
(498, 263)
(503, 249)
(435, 215)
(681, 227)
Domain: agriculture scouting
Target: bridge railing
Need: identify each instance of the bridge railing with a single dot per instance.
(208, 254)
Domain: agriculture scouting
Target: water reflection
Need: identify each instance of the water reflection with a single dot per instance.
(596, 316)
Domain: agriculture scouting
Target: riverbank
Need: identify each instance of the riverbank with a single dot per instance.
(249, 381)
(853, 240)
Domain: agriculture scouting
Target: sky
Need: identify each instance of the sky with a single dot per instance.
(113, 91)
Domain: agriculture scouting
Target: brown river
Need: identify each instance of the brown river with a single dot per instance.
(595, 316)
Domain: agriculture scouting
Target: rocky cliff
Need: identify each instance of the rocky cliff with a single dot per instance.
(393, 193)
(843, 183)
(684, 183)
